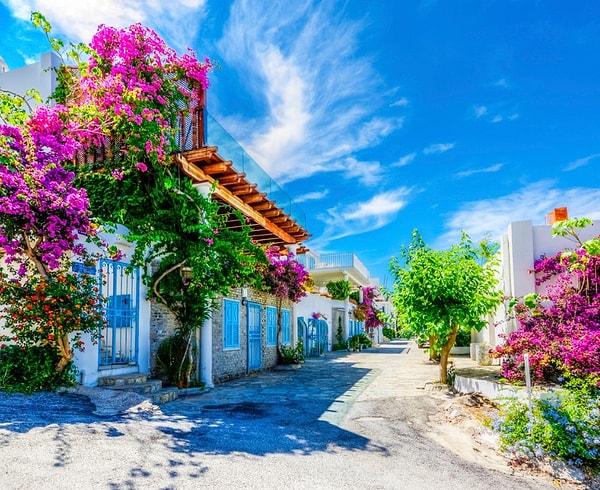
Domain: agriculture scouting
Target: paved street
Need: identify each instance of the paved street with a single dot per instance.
(346, 420)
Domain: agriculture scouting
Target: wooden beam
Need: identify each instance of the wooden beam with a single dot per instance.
(242, 189)
(256, 197)
(231, 179)
(205, 154)
(216, 168)
(272, 213)
(264, 206)
(199, 176)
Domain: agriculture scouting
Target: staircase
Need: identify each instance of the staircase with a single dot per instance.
(139, 383)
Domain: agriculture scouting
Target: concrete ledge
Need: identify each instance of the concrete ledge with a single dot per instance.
(489, 388)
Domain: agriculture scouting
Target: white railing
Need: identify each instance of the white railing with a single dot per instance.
(316, 262)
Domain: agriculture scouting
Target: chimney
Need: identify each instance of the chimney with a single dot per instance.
(559, 214)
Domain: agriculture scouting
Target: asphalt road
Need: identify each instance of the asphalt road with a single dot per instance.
(346, 420)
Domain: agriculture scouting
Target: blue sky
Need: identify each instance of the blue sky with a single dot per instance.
(380, 117)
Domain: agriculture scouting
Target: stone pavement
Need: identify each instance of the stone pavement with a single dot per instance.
(344, 420)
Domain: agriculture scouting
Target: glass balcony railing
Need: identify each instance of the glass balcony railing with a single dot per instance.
(230, 149)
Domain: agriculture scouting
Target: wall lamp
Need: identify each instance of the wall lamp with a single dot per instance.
(244, 296)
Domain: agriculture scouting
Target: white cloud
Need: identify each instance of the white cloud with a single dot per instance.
(367, 173)
(490, 169)
(438, 148)
(580, 162)
(176, 21)
(405, 160)
(500, 117)
(403, 102)
(480, 111)
(312, 196)
(501, 83)
(301, 62)
(533, 202)
(361, 217)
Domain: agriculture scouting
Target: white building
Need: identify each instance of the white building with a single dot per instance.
(520, 247)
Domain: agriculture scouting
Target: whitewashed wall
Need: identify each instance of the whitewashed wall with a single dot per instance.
(520, 247)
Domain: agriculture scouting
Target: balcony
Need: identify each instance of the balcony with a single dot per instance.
(212, 155)
(207, 153)
(334, 267)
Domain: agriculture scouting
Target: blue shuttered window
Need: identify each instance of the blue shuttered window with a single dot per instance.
(285, 327)
(231, 324)
(271, 325)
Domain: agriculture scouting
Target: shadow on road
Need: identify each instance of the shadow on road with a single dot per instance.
(277, 412)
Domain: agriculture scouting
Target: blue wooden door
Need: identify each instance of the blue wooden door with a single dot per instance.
(254, 337)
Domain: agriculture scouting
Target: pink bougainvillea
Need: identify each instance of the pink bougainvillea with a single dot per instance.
(41, 211)
(285, 276)
(561, 329)
(372, 319)
(131, 91)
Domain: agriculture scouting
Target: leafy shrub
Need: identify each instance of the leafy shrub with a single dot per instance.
(390, 333)
(32, 369)
(359, 340)
(565, 426)
(292, 355)
(463, 338)
(339, 289)
(173, 361)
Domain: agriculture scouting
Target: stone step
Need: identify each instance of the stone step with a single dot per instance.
(139, 383)
(122, 380)
(164, 396)
(147, 388)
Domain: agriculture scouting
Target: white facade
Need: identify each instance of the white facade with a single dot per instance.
(520, 247)
(39, 76)
(89, 362)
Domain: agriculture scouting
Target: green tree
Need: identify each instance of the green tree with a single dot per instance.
(438, 292)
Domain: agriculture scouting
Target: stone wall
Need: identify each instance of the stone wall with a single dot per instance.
(226, 363)
(233, 363)
(162, 325)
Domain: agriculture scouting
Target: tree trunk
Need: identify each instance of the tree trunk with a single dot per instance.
(446, 353)
(65, 352)
(434, 355)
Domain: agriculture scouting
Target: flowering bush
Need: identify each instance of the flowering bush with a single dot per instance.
(560, 329)
(565, 425)
(41, 211)
(53, 310)
(285, 276)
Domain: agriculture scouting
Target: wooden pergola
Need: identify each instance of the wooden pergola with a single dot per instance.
(269, 223)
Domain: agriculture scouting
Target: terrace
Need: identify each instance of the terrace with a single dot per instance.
(209, 154)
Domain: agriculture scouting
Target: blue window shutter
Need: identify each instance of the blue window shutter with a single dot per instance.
(285, 327)
(271, 325)
(231, 324)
